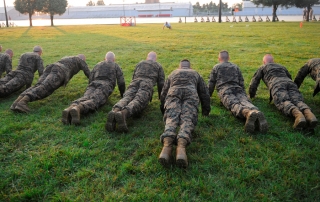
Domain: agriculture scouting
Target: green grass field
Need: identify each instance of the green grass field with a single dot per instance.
(43, 160)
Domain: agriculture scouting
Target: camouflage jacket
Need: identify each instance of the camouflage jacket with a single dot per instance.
(150, 71)
(271, 74)
(108, 72)
(71, 66)
(5, 63)
(224, 76)
(29, 63)
(191, 80)
(312, 67)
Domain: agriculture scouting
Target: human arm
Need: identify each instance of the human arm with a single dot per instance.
(8, 65)
(164, 93)
(303, 72)
(84, 67)
(255, 81)
(40, 66)
(160, 82)
(203, 93)
(120, 80)
(212, 80)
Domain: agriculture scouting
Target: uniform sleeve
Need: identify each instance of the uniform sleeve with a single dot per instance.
(134, 72)
(288, 74)
(241, 80)
(255, 81)
(8, 67)
(85, 68)
(40, 66)
(120, 80)
(91, 77)
(212, 81)
(203, 93)
(303, 72)
(160, 81)
(164, 93)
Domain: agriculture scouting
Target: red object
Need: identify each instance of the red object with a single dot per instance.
(301, 24)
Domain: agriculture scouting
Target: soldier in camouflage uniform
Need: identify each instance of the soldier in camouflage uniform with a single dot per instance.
(180, 98)
(29, 63)
(226, 77)
(284, 93)
(139, 93)
(312, 67)
(54, 76)
(102, 81)
(6, 62)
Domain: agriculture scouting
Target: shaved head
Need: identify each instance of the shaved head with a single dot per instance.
(37, 49)
(224, 56)
(9, 52)
(110, 56)
(185, 64)
(82, 57)
(268, 58)
(152, 56)
(0, 48)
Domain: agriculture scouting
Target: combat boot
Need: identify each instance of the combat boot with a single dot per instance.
(66, 117)
(165, 157)
(111, 120)
(22, 105)
(121, 119)
(311, 119)
(181, 155)
(300, 121)
(14, 104)
(75, 114)
(261, 122)
(251, 117)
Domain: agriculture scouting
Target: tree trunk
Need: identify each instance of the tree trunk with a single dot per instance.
(30, 19)
(308, 13)
(274, 12)
(51, 17)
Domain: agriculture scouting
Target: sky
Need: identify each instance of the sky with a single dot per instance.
(84, 2)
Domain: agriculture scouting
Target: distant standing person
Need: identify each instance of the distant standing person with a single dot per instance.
(167, 25)
(6, 61)
(304, 17)
(310, 14)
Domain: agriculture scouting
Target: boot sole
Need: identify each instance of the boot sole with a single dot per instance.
(312, 124)
(75, 117)
(181, 163)
(65, 117)
(300, 125)
(21, 109)
(111, 122)
(164, 162)
(263, 124)
(122, 125)
(250, 122)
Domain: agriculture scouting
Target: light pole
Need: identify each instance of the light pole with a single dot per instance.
(220, 11)
(5, 12)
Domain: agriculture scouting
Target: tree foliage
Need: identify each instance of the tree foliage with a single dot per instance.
(306, 4)
(28, 7)
(54, 7)
(274, 4)
(100, 3)
(209, 7)
(91, 3)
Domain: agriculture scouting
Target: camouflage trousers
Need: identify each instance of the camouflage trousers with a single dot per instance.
(181, 109)
(286, 96)
(236, 100)
(11, 83)
(136, 98)
(95, 96)
(46, 85)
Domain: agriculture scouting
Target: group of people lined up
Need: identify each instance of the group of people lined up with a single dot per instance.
(179, 95)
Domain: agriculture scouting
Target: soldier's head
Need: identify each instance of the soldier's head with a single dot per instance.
(185, 64)
(38, 50)
(152, 56)
(82, 57)
(268, 58)
(110, 56)
(9, 52)
(0, 48)
(224, 56)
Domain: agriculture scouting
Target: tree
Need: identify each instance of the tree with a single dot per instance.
(305, 4)
(274, 4)
(54, 7)
(28, 7)
(91, 3)
(100, 3)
